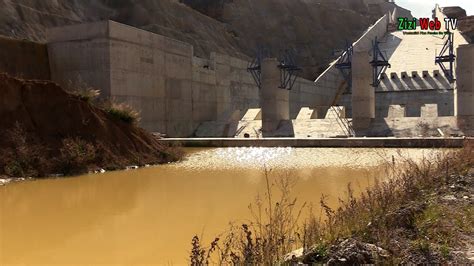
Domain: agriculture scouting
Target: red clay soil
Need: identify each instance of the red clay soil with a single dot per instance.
(49, 115)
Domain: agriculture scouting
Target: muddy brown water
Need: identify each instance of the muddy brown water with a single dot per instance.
(149, 216)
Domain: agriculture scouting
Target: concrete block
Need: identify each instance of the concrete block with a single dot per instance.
(414, 74)
(306, 113)
(335, 112)
(396, 111)
(426, 74)
(253, 114)
(429, 110)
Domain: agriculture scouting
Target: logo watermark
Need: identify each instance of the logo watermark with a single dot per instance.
(426, 26)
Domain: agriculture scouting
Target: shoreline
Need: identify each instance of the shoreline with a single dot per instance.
(458, 142)
(423, 214)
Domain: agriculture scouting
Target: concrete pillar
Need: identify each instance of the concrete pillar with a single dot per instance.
(464, 93)
(273, 100)
(363, 94)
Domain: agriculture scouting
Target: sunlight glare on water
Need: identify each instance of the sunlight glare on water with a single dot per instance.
(297, 158)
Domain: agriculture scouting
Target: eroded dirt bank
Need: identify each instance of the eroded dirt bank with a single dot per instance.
(47, 131)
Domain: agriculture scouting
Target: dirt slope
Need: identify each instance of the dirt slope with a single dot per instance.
(313, 28)
(44, 125)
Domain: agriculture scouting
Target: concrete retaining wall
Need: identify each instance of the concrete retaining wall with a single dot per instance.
(24, 59)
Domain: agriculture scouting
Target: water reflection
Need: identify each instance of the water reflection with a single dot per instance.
(39, 217)
(149, 216)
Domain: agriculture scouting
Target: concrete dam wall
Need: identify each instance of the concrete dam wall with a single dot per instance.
(181, 95)
(174, 90)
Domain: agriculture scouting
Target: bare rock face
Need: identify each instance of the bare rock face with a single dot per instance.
(466, 26)
(454, 12)
(465, 23)
(210, 8)
(311, 28)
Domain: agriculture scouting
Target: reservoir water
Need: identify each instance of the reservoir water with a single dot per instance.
(149, 215)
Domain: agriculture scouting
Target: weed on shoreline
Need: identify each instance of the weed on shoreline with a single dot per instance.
(405, 219)
(27, 157)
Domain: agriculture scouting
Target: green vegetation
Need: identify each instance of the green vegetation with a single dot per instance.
(422, 215)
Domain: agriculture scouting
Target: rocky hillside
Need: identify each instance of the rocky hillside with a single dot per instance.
(465, 24)
(312, 28)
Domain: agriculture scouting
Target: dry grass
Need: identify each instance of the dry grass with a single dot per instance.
(172, 153)
(400, 215)
(29, 158)
(82, 90)
(23, 159)
(271, 234)
(76, 156)
(25, 156)
(390, 214)
(123, 112)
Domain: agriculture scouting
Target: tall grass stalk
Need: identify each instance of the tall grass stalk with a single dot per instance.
(378, 215)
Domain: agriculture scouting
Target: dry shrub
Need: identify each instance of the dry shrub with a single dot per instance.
(272, 233)
(28, 158)
(76, 155)
(171, 152)
(123, 112)
(377, 216)
(82, 90)
(25, 158)
(389, 209)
